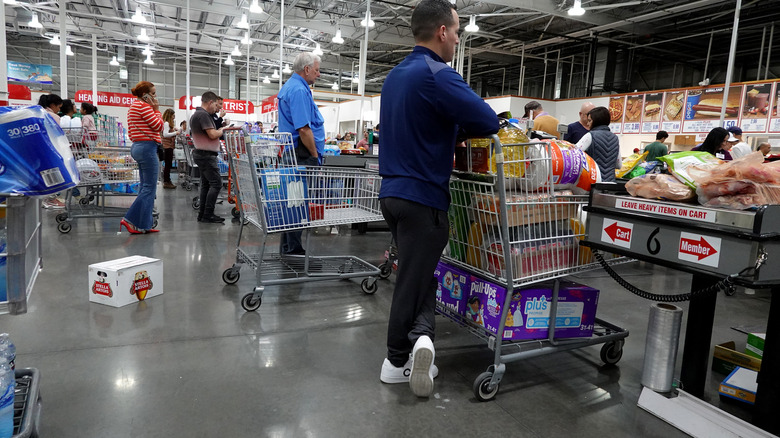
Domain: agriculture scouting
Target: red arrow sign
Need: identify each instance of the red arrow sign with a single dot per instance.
(616, 232)
(699, 248)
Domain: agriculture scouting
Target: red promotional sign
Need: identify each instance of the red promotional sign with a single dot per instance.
(106, 98)
(19, 92)
(229, 105)
(270, 104)
(697, 248)
(616, 232)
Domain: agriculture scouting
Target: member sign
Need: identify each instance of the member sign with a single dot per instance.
(704, 250)
(617, 233)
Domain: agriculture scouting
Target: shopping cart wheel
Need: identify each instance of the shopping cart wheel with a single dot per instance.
(62, 217)
(231, 275)
(385, 269)
(84, 201)
(235, 212)
(187, 186)
(730, 290)
(482, 390)
(196, 202)
(154, 224)
(250, 303)
(611, 352)
(369, 285)
(64, 227)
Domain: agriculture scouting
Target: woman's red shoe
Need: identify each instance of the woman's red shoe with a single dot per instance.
(129, 227)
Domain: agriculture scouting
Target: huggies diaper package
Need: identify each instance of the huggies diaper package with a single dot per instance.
(35, 156)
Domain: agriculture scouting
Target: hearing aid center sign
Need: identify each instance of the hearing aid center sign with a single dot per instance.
(125, 281)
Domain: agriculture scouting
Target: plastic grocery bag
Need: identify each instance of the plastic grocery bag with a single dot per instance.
(680, 163)
(659, 185)
(739, 184)
(35, 156)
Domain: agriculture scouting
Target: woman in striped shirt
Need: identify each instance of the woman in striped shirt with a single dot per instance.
(144, 124)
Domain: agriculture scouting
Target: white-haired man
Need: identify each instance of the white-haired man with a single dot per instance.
(299, 115)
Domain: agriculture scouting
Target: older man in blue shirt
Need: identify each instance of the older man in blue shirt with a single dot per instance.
(299, 115)
(425, 105)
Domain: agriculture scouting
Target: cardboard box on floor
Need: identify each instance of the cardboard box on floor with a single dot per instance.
(725, 359)
(125, 281)
(740, 385)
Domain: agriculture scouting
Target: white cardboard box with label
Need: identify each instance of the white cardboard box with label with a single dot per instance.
(125, 281)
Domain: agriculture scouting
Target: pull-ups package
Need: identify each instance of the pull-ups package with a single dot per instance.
(35, 157)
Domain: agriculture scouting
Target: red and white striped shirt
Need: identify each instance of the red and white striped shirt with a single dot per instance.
(143, 122)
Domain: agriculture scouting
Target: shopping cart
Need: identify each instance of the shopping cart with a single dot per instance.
(512, 228)
(276, 196)
(109, 179)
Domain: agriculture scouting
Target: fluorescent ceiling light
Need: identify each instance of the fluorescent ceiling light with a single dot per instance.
(114, 61)
(143, 36)
(68, 51)
(256, 8)
(576, 10)
(317, 50)
(472, 26)
(338, 39)
(138, 17)
(55, 41)
(335, 86)
(246, 40)
(236, 51)
(276, 74)
(148, 59)
(367, 19)
(266, 80)
(229, 61)
(286, 70)
(34, 22)
(243, 24)
(147, 51)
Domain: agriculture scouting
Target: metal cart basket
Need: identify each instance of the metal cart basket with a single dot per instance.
(512, 226)
(275, 195)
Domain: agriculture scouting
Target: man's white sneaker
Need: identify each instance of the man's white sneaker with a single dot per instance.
(421, 378)
(392, 374)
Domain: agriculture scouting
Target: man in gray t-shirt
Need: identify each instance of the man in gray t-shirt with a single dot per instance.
(205, 137)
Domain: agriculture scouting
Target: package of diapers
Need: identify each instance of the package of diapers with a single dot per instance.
(35, 156)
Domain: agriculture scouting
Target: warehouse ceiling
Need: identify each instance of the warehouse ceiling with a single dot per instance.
(514, 36)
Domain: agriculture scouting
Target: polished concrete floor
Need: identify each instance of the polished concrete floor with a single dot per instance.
(193, 363)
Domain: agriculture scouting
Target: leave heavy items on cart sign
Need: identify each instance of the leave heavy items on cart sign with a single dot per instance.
(515, 228)
(276, 195)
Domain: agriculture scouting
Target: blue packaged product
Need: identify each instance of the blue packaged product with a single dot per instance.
(285, 192)
(35, 156)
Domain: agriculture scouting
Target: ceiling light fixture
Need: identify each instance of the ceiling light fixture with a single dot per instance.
(256, 8)
(113, 61)
(236, 51)
(276, 74)
(243, 24)
(576, 10)
(286, 70)
(229, 61)
(34, 21)
(138, 17)
(472, 26)
(143, 36)
(55, 41)
(148, 59)
(246, 40)
(266, 80)
(367, 20)
(338, 39)
(317, 50)
(335, 86)
(68, 51)
(147, 51)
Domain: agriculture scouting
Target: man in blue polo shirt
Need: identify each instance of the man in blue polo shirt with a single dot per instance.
(425, 106)
(299, 115)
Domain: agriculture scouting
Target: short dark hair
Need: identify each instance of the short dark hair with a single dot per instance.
(599, 116)
(67, 106)
(661, 135)
(531, 106)
(428, 16)
(209, 96)
(47, 100)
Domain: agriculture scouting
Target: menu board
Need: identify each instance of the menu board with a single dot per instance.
(702, 109)
(756, 107)
(616, 105)
(774, 120)
(633, 114)
(651, 114)
(671, 117)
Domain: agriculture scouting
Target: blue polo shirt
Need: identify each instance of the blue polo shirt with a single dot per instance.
(425, 105)
(297, 109)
